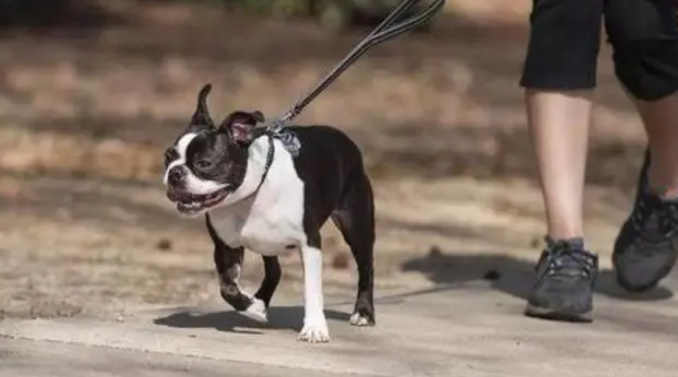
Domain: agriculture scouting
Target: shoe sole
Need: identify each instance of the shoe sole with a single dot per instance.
(558, 315)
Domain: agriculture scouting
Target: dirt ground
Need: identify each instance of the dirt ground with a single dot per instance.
(86, 113)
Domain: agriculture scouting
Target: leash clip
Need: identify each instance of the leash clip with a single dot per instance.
(287, 137)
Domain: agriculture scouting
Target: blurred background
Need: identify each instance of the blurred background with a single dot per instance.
(92, 92)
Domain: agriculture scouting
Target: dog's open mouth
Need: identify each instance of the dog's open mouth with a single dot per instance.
(190, 203)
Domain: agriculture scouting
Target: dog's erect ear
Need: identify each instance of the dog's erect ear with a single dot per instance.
(239, 125)
(201, 116)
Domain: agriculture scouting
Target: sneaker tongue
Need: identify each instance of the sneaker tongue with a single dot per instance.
(575, 242)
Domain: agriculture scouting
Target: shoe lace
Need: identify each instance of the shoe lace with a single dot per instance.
(565, 259)
(668, 217)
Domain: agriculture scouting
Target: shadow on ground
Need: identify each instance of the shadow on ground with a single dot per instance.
(509, 275)
(448, 271)
(280, 317)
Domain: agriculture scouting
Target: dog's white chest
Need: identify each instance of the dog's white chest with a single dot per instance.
(269, 236)
(272, 231)
(271, 222)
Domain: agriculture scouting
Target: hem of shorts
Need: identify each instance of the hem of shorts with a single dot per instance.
(656, 97)
(556, 84)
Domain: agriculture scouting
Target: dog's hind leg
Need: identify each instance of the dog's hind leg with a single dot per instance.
(355, 219)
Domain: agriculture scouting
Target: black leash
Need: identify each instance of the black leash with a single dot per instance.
(385, 31)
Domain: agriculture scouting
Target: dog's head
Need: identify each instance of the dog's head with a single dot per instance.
(208, 163)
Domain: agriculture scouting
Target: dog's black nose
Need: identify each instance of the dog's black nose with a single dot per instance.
(175, 175)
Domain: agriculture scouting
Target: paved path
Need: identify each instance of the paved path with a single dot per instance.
(468, 330)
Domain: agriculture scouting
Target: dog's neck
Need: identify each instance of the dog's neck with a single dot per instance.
(257, 165)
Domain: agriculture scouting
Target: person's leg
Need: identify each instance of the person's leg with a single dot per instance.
(660, 118)
(644, 34)
(559, 125)
(559, 76)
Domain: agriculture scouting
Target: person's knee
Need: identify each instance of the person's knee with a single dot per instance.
(644, 36)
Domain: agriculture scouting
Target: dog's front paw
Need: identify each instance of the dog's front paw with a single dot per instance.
(361, 319)
(256, 311)
(315, 332)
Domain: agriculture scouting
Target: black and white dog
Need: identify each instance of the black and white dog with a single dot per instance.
(255, 195)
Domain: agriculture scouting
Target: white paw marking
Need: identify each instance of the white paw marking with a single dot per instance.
(315, 332)
(257, 311)
(358, 320)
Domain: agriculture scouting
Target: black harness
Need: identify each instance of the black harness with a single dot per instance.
(269, 159)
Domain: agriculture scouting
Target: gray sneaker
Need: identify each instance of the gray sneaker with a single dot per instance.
(563, 289)
(647, 245)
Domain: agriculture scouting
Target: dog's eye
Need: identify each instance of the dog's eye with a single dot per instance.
(203, 164)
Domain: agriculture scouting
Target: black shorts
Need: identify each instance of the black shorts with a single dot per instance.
(565, 39)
